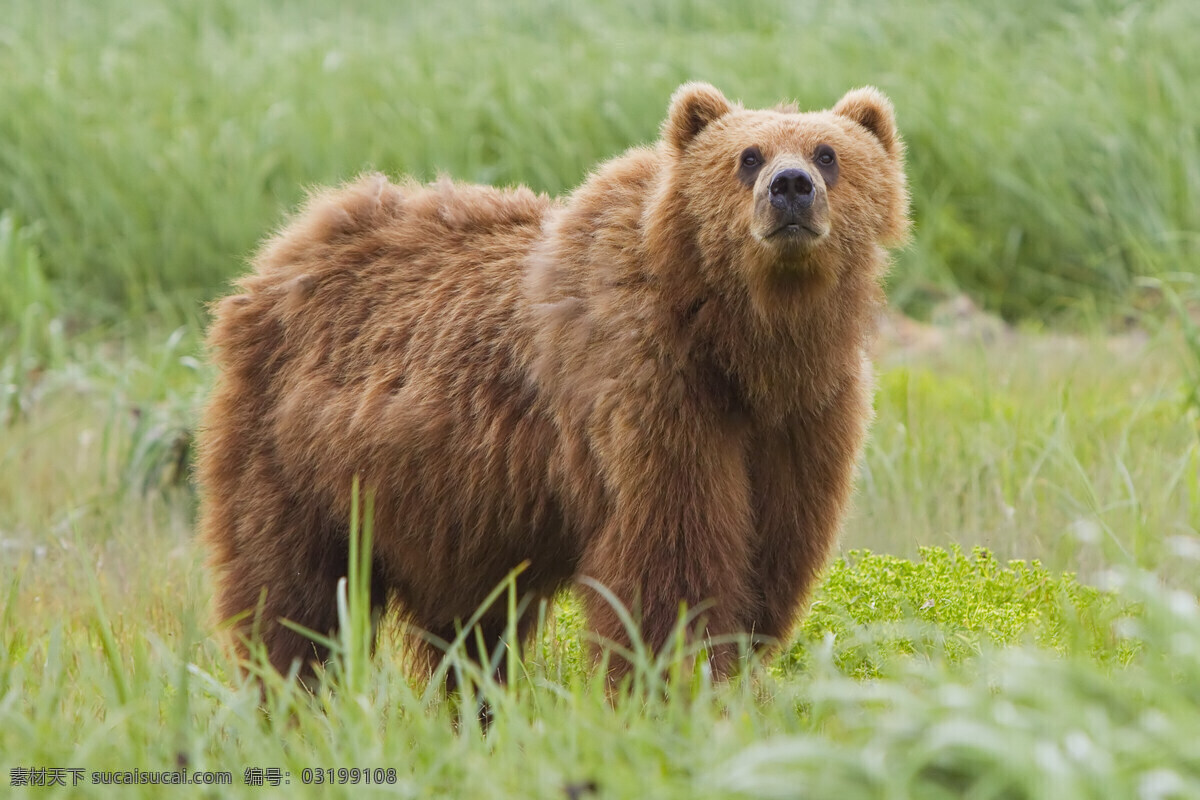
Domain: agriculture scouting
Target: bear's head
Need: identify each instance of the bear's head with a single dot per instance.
(779, 193)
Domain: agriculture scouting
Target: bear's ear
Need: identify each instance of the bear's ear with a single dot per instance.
(870, 108)
(693, 107)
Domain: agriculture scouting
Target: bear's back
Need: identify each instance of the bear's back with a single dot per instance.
(372, 277)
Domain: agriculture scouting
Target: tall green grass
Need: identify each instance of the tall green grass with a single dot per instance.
(1076, 450)
(1053, 147)
(108, 693)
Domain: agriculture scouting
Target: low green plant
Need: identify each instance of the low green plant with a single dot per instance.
(874, 607)
(156, 451)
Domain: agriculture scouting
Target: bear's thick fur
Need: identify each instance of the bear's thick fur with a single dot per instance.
(658, 383)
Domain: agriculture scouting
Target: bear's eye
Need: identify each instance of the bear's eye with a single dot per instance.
(827, 163)
(749, 163)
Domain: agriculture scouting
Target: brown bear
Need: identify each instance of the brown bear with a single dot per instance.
(658, 383)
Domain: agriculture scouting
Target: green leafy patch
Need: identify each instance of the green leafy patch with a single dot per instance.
(873, 607)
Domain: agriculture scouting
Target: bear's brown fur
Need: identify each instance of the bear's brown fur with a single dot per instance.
(658, 383)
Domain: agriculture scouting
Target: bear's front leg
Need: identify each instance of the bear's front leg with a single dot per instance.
(679, 530)
(802, 477)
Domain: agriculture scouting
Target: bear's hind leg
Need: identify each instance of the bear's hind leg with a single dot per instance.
(288, 577)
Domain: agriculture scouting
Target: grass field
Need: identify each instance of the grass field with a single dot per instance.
(145, 146)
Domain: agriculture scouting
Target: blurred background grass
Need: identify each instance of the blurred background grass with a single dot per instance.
(1053, 147)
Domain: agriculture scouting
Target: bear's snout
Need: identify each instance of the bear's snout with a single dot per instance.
(792, 190)
(791, 208)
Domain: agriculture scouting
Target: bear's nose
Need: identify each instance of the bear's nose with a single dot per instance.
(792, 188)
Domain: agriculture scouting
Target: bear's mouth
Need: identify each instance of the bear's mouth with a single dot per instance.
(797, 230)
(792, 230)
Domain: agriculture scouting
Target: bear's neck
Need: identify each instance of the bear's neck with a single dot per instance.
(792, 354)
(785, 341)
